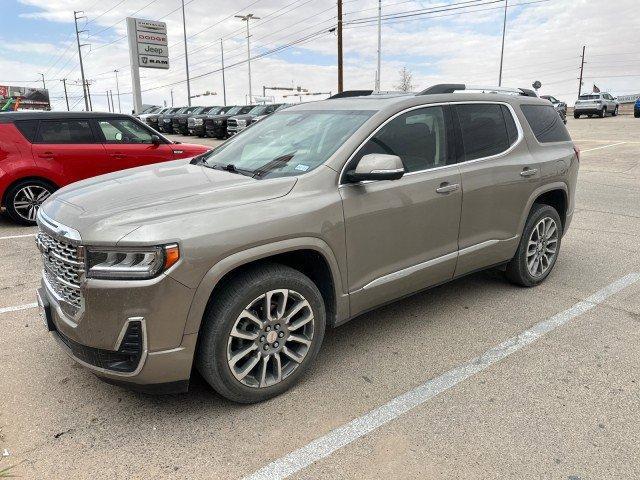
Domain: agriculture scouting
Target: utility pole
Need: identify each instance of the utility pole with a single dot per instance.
(581, 71)
(504, 29)
(66, 97)
(84, 83)
(108, 103)
(247, 18)
(172, 97)
(186, 55)
(224, 87)
(89, 97)
(113, 105)
(377, 85)
(340, 64)
(44, 85)
(118, 92)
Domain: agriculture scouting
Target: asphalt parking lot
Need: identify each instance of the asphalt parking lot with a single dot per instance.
(474, 379)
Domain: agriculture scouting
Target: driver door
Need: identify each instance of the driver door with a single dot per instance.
(129, 144)
(402, 235)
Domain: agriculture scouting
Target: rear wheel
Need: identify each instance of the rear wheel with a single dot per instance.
(24, 199)
(576, 115)
(261, 333)
(603, 112)
(538, 249)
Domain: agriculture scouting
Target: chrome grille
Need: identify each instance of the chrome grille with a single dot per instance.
(63, 267)
(231, 123)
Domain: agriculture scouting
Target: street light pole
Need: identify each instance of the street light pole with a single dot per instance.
(186, 55)
(44, 85)
(247, 18)
(340, 60)
(66, 97)
(118, 92)
(377, 85)
(504, 29)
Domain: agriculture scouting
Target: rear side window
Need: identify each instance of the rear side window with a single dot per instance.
(545, 123)
(65, 131)
(483, 128)
(512, 130)
(28, 128)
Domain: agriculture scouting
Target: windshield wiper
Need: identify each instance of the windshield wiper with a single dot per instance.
(274, 164)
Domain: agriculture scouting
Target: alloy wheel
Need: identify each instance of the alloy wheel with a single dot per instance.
(542, 247)
(28, 199)
(270, 338)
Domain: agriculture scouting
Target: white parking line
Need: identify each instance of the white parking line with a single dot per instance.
(342, 436)
(18, 236)
(18, 307)
(603, 146)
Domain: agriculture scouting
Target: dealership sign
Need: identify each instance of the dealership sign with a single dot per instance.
(148, 48)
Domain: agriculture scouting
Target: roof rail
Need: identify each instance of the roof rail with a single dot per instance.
(351, 93)
(454, 87)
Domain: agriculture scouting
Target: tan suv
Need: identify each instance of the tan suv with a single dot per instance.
(235, 262)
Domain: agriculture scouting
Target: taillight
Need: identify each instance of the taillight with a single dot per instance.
(576, 149)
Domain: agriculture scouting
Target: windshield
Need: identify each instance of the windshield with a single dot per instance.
(287, 143)
(589, 97)
(258, 110)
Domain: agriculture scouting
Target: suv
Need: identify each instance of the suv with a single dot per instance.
(216, 125)
(240, 122)
(237, 260)
(42, 151)
(592, 104)
(560, 107)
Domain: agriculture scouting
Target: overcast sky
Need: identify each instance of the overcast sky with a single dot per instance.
(543, 42)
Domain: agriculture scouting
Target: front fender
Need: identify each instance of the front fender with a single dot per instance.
(230, 263)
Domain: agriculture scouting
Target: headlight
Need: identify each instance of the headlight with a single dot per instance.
(130, 264)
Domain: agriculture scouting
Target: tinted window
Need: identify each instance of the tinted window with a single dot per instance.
(483, 128)
(512, 130)
(65, 131)
(417, 137)
(545, 123)
(124, 131)
(28, 128)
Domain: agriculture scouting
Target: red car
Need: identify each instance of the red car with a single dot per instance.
(43, 151)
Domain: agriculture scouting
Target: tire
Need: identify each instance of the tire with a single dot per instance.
(636, 114)
(518, 270)
(18, 194)
(245, 292)
(603, 112)
(615, 112)
(576, 115)
(590, 116)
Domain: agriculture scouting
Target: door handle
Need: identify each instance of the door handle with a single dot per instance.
(528, 172)
(118, 156)
(48, 155)
(445, 187)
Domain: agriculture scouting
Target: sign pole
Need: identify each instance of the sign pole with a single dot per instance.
(135, 65)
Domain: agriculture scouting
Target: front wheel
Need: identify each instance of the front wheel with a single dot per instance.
(615, 112)
(576, 115)
(24, 199)
(538, 249)
(261, 333)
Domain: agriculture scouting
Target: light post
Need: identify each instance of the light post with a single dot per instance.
(247, 18)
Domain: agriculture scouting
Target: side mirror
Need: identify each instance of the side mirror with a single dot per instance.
(155, 139)
(377, 166)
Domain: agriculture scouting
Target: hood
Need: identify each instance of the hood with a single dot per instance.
(242, 117)
(106, 208)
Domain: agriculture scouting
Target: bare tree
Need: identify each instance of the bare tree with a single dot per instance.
(406, 80)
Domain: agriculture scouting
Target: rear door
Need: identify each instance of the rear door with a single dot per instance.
(499, 176)
(129, 144)
(69, 149)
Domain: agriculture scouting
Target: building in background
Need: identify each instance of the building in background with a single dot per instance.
(24, 98)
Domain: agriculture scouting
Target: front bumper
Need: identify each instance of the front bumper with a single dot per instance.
(127, 335)
(218, 131)
(196, 130)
